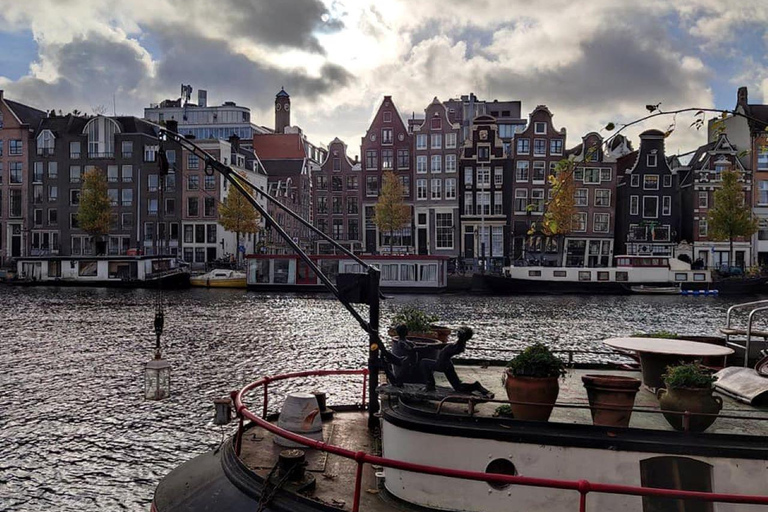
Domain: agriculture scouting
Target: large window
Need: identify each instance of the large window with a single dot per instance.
(602, 223)
(352, 183)
(539, 171)
(352, 206)
(193, 206)
(450, 163)
(483, 176)
(437, 163)
(521, 170)
(421, 164)
(537, 200)
(523, 146)
(762, 197)
(580, 222)
(591, 176)
(468, 203)
(450, 188)
(437, 140)
(371, 159)
(15, 147)
(498, 203)
(15, 202)
(556, 147)
(468, 177)
(539, 147)
(322, 204)
(581, 197)
(650, 207)
(387, 159)
(421, 141)
(101, 137)
(444, 227)
(450, 140)
(762, 157)
(602, 197)
(521, 200)
(403, 159)
(436, 188)
(127, 197)
(421, 189)
(651, 182)
(16, 172)
(386, 136)
(371, 186)
(483, 203)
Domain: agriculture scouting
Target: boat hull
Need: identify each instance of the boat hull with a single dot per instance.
(217, 283)
(171, 281)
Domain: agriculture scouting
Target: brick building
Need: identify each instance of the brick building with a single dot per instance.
(385, 147)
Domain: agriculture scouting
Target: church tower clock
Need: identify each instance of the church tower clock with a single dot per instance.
(282, 111)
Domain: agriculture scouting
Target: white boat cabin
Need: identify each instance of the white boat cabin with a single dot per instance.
(93, 269)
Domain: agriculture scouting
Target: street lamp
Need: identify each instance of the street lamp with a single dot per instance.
(157, 373)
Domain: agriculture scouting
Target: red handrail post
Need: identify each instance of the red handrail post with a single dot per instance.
(360, 458)
(239, 443)
(266, 398)
(584, 488)
(365, 384)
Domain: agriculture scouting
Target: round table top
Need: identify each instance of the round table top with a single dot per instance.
(667, 346)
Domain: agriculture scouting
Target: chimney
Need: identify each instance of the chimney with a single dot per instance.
(234, 141)
(741, 97)
(202, 98)
(172, 126)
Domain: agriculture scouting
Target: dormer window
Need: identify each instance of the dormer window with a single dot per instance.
(387, 117)
(45, 143)
(101, 137)
(540, 128)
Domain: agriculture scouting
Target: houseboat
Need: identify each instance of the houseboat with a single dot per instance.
(112, 271)
(403, 274)
(632, 274)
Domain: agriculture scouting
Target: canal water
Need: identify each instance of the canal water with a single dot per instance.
(76, 434)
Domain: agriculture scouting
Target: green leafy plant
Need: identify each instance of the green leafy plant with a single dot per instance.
(414, 319)
(536, 361)
(691, 375)
(503, 411)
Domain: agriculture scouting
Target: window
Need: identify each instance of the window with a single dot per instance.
(113, 196)
(703, 199)
(15, 147)
(521, 200)
(651, 160)
(338, 229)
(591, 176)
(421, 141)
(53, 171)
(762, 157)
(450, 188)
(523, 146)
(127, 172)
(539, 147)
(53, 217)
(127, 148)
(193, 182)
(602, 197)
(703, 227)
(635, 181)
(321, 182)
(667, 180)
(387, 159)
(405, 181)
(450, 163)
(193, 206)
(483, 152)
(74, 150)
(537, 200)
(352, 183)
(437, 140)
(421, 189)
(605, 174)
(762, 192)
(650, 207)
(556, 147)
(45, 143)
(483, 203)
(16, 172)
(127, 197)
(444, 228)
(403, 159)
(336, 184)
(651, 182)
(152, 206)
(521, 171)
(152, 182)
(436, 188)
(468, 176)
(150, 153)
(468, 204)
(483, 176)
(353, 231)
(209, 207)
(580, 222)
(540, 128)
(498, 203)
(371, 186)
(450, 140)
(498, 175)
(437, 163)
(666, 205)
(170, 206)
(578, 174)
(634, 202)
(371, 160)
(193, 162)
(74, 197)
(539, 171)
(322, 204)
(421, 164)
(386, 136)
(53, 193)
(336, 205)
(352, 206)
(673, 472)
(210, 182)
(37, 172)
(602, 223)
(581, 197)
(199, 233)
(387, 117)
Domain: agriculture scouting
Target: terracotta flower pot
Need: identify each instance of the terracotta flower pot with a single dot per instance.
(693, 400)
(539, 390)
(611, 398)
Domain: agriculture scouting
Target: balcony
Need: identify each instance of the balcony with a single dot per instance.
(45, 151)
(74, 156)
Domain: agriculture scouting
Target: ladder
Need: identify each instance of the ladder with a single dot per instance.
(745, 336)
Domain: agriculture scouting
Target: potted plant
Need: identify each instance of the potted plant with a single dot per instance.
(419, 324)
(689, 389)
(532, 376)
(611, 398)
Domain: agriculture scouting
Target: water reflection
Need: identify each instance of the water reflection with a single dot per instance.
(76, 433)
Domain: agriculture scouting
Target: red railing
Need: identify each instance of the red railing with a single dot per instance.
(583, 487)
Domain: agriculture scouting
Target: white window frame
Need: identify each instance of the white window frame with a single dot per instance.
(645, 182)
(656, 215)
(634, 205)
(703, 194)
(450, 188)
(518, 167)
(498, 203)
(542, 125)
(498, 175)
(436, 141)
(521, 193)
(421, 164)
(421, 186)
(421, 141)
(593, 173)
(450, 163)
(595, 223)
(652, 160)
(666, 205)
(634, 180)
(450, 140)
(578, 199)
(436, 189)
(602, 191)
(542, 166)
(436, 163)
(667, 180)
(582, 216)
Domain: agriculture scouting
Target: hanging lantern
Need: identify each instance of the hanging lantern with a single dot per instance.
(157, 380)
(157, 373)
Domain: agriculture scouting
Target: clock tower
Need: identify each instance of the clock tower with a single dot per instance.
(282, 111)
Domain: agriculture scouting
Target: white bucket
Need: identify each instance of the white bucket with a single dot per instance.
(300, 415)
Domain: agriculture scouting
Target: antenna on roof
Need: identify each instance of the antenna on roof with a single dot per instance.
(114, 105)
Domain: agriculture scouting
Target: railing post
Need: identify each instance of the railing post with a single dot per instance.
(266, 398)
(239, 440)
(584, 488)
(365, 385)
(360, 458)
(687, 421)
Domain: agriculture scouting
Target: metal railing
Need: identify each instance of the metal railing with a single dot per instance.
(757, 307)
(583, 487)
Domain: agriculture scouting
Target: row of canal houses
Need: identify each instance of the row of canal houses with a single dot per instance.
(475, 176)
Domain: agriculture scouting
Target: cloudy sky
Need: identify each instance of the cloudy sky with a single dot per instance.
(590, 61)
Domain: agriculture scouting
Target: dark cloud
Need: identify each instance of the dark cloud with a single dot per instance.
(275, 23)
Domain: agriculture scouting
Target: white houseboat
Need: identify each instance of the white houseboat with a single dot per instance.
(406, 274)
(117, 271)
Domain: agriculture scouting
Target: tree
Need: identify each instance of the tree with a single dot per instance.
(730, 217)
(94, 212)
(560, 210)
(391, 212)
(238, 215)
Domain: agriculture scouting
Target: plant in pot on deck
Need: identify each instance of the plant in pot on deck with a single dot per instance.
(419, 324)
(689, 389)
(532, 377)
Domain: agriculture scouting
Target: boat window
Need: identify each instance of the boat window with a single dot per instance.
(88, 268)
(622, 277)
(54, 269)
(700, 277)
(389, 272)
(352, 268)
(680, 473)
(501, 467)
(534, 273)
(560, 273)
(260, 270)
(585, 275)
(681, 276)
(120, 270)
(603, 276)
(281, 271)
(428, 272)
(407, 272)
